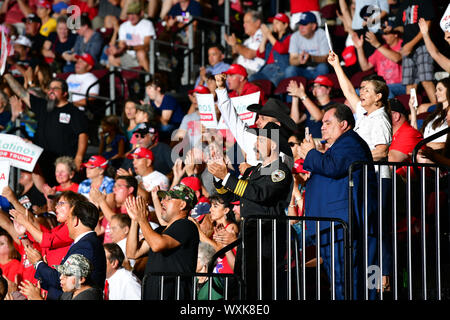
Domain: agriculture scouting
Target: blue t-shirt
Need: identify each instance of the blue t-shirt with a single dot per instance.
(112, 148)
(170, 103)
(85, 186)
(194, 8)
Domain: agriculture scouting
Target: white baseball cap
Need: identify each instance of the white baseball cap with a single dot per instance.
(24, 41)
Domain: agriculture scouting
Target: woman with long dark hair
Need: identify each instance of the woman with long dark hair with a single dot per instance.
(436, 121)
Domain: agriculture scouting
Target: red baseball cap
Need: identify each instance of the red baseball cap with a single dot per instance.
(192, 182)
(236, 203)
(298, 166)
(200, 89)
(324, 81)
(87, 58)
(280, 17)
(349, 56)
(96, 162)
(140, 153)
(44, 3)
(237, 69)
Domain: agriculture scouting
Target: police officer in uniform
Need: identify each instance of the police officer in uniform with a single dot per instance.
(264, 189)
(273, 110)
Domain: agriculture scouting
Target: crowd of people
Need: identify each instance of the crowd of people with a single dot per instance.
(115, 198)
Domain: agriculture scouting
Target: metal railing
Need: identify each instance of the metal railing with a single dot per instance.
(404, 229)
(284, 273)
(172, 286)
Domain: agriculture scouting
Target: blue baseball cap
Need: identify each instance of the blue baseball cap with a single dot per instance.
(307, 17)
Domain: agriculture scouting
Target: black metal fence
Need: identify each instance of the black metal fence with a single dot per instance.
(411, 231)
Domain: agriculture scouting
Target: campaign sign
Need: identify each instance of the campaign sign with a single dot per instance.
(207, 110)
(21, 154)
(241, 103)
(4, 174)
(3, 53)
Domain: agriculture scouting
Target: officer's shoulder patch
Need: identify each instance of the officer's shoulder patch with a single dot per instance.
(278, 175)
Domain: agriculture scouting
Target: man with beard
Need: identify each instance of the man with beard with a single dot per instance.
(61, 127)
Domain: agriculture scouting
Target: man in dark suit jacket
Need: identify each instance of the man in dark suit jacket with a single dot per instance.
(327, 192)
(81, 223)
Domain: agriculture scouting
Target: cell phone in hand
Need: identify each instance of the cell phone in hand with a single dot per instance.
(307, 135)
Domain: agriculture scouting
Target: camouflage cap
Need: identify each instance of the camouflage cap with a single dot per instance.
(134, 8)
(75, 265)
(180, 191)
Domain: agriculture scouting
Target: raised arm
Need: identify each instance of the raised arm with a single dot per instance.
(362, 59)
(345, 83)
(135, 248)
(442, 60)
(299, 91)
(18, 89)
(384, 50)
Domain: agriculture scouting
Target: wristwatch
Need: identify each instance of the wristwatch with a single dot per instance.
(304, 98)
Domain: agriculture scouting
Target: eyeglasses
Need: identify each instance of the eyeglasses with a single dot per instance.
(54, 88)
(292, 144)
(140, 135)
(60, 203)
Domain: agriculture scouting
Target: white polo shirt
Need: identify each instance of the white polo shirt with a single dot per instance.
(255, 64)
(375, 129)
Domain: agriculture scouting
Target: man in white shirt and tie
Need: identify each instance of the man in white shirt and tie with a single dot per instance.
(121, 284)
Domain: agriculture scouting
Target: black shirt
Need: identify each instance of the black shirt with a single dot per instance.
(409, 13)
(32, 197)
(182, 259)
(59, 47)
(57, 131)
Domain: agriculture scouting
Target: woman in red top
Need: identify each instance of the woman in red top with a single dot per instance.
(65, 169)
(55, 242)
(9, 258)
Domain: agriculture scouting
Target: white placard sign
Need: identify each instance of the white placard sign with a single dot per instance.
(207, 110)
(3, 52)
(327, 33)
(242, 102)
(20, 153)
(4, 173)
(445, 21)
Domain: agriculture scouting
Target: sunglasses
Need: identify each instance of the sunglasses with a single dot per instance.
(292, 144)
(140, 135)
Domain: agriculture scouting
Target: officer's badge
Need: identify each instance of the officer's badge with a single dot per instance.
(278, 175)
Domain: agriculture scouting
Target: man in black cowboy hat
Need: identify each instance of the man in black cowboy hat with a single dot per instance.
(264, 189)
(272, 111)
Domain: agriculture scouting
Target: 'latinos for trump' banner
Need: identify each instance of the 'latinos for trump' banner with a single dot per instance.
(21, 154)
(242, 102)
(207, 110)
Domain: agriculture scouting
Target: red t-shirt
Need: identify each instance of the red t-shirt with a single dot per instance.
(27, 268)
(73, 187)
(304, 5)
(92, 12)
(11, 269)
(405, 139)
(388, 69)
(16, 15)
(55, 243)
(247, 89)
